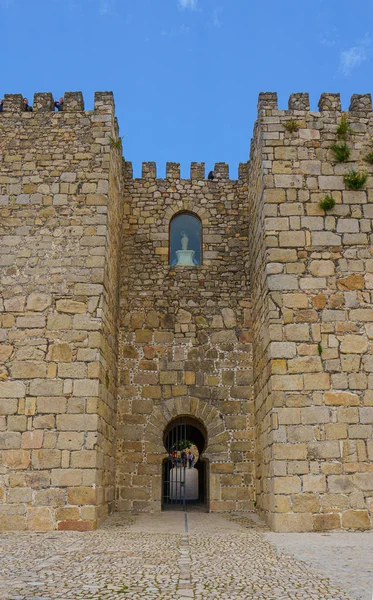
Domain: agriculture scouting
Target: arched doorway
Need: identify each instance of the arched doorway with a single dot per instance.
(185, 470)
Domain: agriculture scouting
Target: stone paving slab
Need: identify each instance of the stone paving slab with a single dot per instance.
(345, 557)
(150, 557)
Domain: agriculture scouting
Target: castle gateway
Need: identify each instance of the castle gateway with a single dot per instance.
(144, 319)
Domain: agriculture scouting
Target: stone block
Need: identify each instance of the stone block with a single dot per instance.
(305, 503)
(73, 370)
(76, 422)
(78, 525)
(168, 377)
(5, 352)
(44, 387)
(315, 415)
(321, 449)
(306, 364)
(10, 440)
(355, 519)
(282, 349)
(38, 301)
(297, 333)
(71, 306)
(331, 182)
(51, 497)
(292, 239)
(366, 415)
(142, 406)
(326, 522)
(58, 322)
(287, 382)
(242, 391)
(340, 484)
(8, 406)
(152, 391)
(32, 439)
(30, 322)
(352, 282)
(314, 483)
(85, 459)
(39, 519)
(325, 238)
(336, 431)
(66, 477)
(229, 318)
(85, 387)
(295, 522)
(316, 381)
(12, 389)
(46, 459)
(60, 353)
(322, 268)
(53, 404)
(286, 485)
(70, 440)
(28, 369)
(289, 451)
(354, 344)
(82, 495)
(341, 399)
(223, 337)
(16, 459)
(288, 181)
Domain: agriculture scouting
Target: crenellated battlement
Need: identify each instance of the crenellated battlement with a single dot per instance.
(360, 103)
(44, 102)
(197, 171)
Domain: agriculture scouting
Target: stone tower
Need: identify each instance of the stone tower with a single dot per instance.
(264, 346)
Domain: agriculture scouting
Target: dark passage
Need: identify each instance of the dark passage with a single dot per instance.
(185, 483)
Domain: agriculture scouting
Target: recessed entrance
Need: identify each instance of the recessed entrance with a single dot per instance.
(185, 470)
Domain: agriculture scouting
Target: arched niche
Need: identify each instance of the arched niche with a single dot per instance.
(185, 240)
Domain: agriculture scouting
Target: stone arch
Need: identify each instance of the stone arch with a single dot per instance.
(186, 205)
(217, 437)
(217, 440)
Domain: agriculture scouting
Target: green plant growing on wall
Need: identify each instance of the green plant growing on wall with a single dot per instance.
(355, 180)
(369, 158)
(343, 129)
(319, 349)
(115, 142)
(327, 203)
(292, 126)
(341, 151)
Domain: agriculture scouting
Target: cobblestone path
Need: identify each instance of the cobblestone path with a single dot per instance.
(151, 557)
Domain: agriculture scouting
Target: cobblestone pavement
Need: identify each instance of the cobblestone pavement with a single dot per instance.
(151, 557)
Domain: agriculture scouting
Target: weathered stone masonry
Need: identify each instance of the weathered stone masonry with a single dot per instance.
(102, 343)
(311, 285)
(60, 221)
(185, 342)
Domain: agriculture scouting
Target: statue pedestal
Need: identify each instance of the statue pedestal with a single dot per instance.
(185, 258)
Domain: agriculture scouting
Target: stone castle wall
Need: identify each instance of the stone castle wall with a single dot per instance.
(312, 314)
(60, 213)
(268, 343)
(185, 336)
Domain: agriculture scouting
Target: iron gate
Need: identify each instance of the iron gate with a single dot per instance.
(175, 466)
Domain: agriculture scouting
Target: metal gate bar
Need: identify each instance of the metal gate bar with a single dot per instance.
(174, 467)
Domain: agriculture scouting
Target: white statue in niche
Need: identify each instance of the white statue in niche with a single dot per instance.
(185, 257)
(184, 240)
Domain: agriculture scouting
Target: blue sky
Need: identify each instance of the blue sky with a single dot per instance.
(186, 73)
